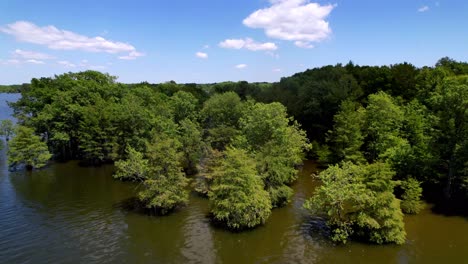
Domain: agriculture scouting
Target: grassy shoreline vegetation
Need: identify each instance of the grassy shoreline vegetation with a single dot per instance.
(387, 137)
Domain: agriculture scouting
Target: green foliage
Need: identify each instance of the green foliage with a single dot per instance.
(15, 88)
(185, 106)
(165, 186)
(6, 129)
(220, 117)
(26, 148)
(134, 168)
(277, 145)
(209, 160)
(411, 197)
(384, 120)
(347, 136)
(358, 200)
(450, 102)
(191, 140)
(237, 196)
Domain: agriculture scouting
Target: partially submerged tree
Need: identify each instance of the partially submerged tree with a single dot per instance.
(237, 196)
(358, 201)
(134, 168)
(164, 188)
(26, 148)
(6, 129)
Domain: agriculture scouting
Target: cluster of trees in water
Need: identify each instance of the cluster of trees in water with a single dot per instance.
(387, 135)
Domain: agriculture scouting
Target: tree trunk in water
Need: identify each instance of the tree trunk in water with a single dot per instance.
(448, 187)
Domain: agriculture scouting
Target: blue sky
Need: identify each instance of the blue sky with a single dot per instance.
(222, 40)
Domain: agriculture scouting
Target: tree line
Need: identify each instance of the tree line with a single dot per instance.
(387, 136)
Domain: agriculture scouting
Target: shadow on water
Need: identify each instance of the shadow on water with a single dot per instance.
(135, 206)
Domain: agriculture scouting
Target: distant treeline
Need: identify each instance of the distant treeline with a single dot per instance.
(14, 88)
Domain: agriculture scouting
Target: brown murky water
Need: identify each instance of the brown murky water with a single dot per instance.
(70, 214)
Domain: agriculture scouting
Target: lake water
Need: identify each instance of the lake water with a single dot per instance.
(70, 214)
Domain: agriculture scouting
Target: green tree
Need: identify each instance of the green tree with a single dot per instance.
(278, 147)
(450, 104)
(134, 168)
(190, 137)
(237, 196)
(209, 160)
(347, 136)
(165, 187)
(384, 121)
(185, 106)
(358, 200)
(411, 197)
(6, 129)
(220, 117)
(27, 149)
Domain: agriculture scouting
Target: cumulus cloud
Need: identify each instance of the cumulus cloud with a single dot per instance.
(248, 44)
(59, 39)
(423, 9)
(31, 55)
(293, 20)
(201, 55)
(241, 66)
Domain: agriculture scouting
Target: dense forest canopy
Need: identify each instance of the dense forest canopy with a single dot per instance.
(389, 135)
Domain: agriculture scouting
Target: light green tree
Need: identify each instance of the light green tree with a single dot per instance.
(26, 148)
(134, 168)
(6, 129)
(358, 200)
(165, 187)
(237, 196)
(278, 145)
(347, 136)
(411, 197)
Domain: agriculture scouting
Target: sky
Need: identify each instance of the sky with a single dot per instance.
(208, 41)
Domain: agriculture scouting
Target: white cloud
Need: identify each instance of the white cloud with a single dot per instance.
(35, 61)
(20, 62)
(59, 39)
(293, 20)
(247, 43)
(206, 46)
(67, 64)
(31, 55)
(423, 9)
(276, 70)
(241, 66)
(201, 55)
(132, 55)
